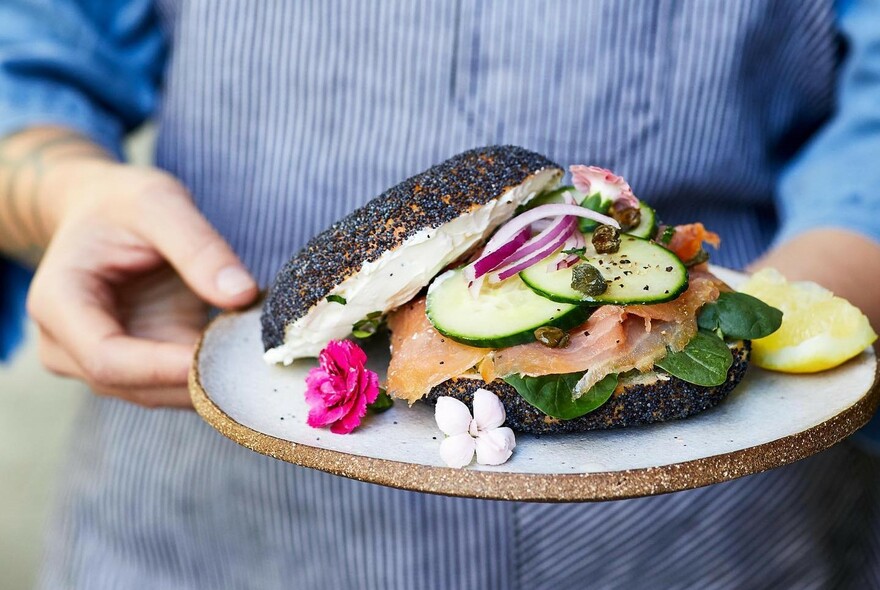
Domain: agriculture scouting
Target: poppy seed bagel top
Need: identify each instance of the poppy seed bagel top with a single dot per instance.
(428, 200)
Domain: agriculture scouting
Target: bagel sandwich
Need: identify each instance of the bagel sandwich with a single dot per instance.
(572, 304)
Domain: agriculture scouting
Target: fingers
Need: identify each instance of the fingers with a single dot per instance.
(111, 358)
(81, 324)
(98, 323)
(56, 360)
(173, 225)
(152, 397)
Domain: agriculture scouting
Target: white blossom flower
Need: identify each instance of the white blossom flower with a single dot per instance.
(481, 434)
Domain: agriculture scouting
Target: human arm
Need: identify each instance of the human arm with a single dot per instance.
(843, 261)
(89, 65)
(829, 197)
(112, 240)
(108, 307)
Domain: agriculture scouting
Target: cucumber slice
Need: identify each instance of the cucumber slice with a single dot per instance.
(647, 225)
(504, 314)
(640, 272)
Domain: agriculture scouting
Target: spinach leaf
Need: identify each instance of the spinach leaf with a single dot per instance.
(740, 316)
(368, 326)
(704, 361)
(552, 394)
(383, 402)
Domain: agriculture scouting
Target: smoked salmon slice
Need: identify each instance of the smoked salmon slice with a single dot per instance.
(614, 339)
(688, 239)
(590, 343)
(421, 357)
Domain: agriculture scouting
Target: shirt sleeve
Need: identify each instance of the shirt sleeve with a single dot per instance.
(13, 290)
(835, 180)
(91, 65)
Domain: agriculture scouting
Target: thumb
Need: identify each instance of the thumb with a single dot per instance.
(171, 223)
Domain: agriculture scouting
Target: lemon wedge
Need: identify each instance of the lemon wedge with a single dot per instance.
(818, 331)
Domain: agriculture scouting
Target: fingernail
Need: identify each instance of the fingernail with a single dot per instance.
(234, 280)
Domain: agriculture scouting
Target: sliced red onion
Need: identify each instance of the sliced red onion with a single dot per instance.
(511, 250)
(493, 258)
(566, 262)
(560, 228)
(536, 254)
(575, 241)
(475, 285)
(568, 198)
(572, 242)
(541, 224)
(515, 225)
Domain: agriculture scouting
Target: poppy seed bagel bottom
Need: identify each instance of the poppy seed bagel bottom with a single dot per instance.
(434, 198)
(653, 397)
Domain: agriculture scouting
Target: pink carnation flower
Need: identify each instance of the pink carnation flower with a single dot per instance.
(339, 390)
(592, 179)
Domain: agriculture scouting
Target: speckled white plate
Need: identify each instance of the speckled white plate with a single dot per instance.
(770, 420)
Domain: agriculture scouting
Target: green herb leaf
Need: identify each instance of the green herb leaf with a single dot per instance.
(554, 394)
(336, 299)
(579, 252)
(596, 203)
(383, 402)
(740, 316)
(704, 361)
(367, 326)
(667, 234)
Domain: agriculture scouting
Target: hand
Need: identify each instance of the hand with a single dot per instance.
(108, 301)
(843, 261)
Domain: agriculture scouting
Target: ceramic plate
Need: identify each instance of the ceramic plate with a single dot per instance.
(770, 420)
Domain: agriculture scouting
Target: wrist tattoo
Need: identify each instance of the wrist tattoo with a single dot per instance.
(23, 229)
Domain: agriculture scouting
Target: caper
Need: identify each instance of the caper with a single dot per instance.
(587, 279)
(628, 217)
(552, 337)
(606, 239)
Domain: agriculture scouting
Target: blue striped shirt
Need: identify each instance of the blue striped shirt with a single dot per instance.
(282, 116)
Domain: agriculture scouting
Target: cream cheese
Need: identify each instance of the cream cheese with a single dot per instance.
(398, 275)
